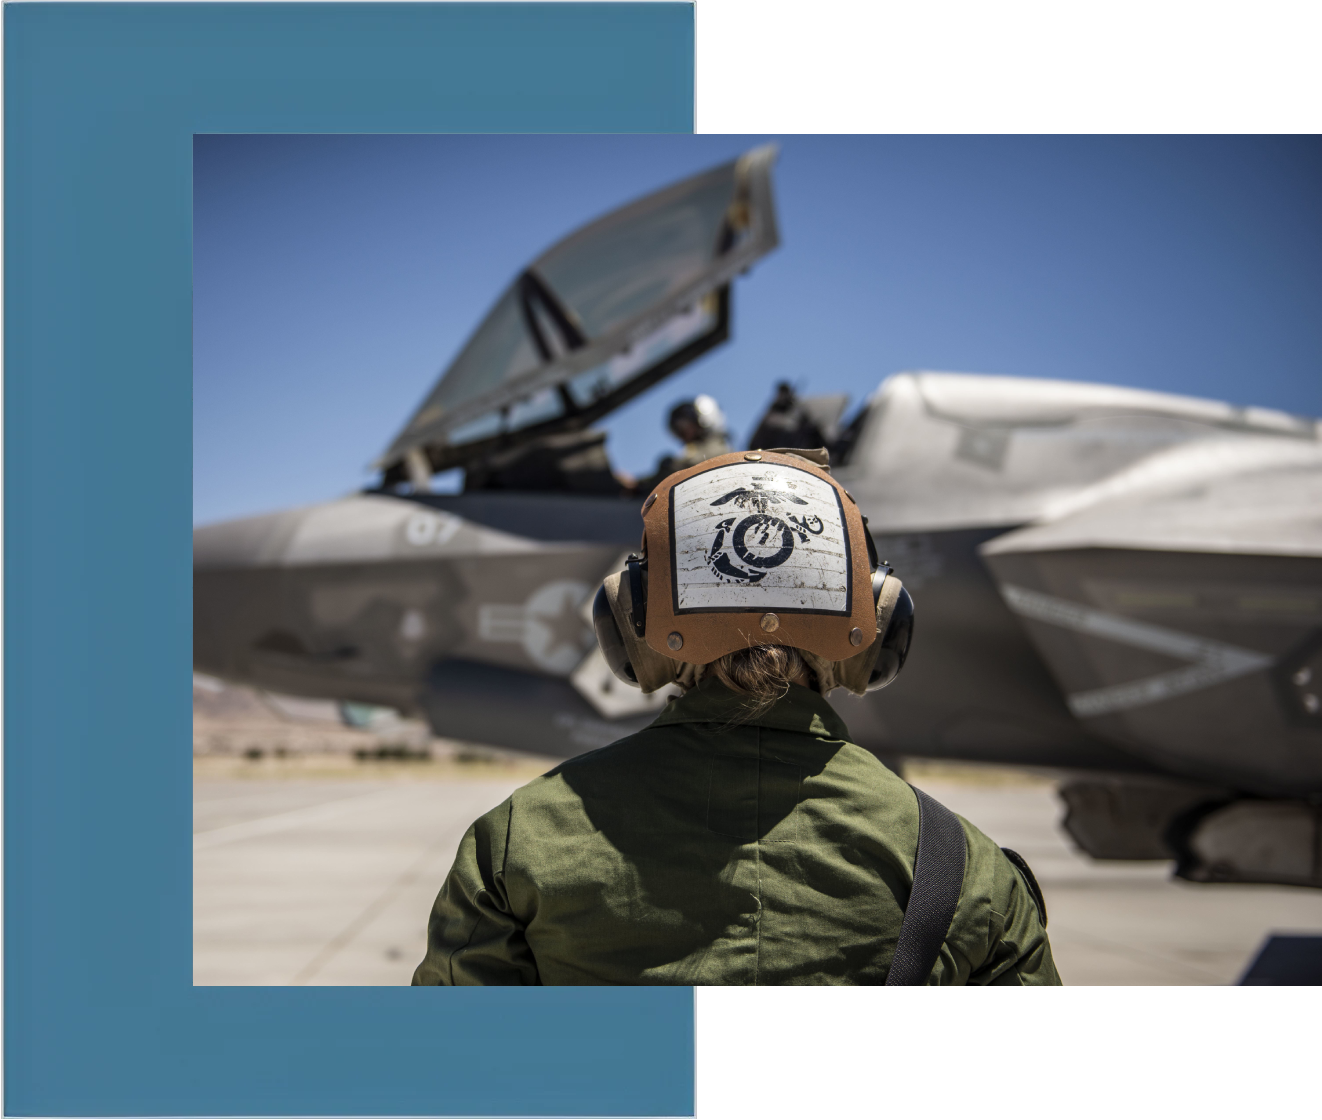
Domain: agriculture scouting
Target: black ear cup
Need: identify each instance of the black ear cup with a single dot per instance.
(899, 630)
(608, 638)
(638, 591)
(879, 574)
(894, 643)
(873, 562)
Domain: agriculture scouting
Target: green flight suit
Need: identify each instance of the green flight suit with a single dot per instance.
(705, 851)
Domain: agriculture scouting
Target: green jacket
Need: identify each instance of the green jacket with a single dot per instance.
(704, 851)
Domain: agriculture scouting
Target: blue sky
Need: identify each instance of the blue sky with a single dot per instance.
(336, 276)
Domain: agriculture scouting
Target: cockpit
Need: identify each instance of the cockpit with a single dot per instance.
(599, 318)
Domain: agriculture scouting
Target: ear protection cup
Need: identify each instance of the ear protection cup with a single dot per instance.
(897, 631)
(638, 594)
(614, 648)
(880, 663)
(630, 658)
(880, 573)
(894, 643)
(610, 640)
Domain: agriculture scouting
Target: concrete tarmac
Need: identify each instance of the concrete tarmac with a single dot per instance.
(329, 880)
(323, 882)
(1123, 921)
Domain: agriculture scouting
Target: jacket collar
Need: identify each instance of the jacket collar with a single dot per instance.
(800, 709)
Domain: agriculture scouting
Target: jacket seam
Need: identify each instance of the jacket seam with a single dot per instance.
(472, 931)
(505, 848)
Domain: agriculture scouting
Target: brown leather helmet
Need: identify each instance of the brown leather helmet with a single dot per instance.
(747, 549)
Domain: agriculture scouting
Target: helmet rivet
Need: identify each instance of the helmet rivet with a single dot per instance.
(856, 637)
(753, 457)
(676, 640)
(770, 623)
(648, 504)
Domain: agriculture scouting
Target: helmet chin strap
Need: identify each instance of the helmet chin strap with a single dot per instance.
(689, 674)
(824, 677)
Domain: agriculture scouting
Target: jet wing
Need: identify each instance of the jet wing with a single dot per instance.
(1180, 609)
(596, 319)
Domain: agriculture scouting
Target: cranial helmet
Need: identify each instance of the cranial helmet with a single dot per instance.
(748, 549)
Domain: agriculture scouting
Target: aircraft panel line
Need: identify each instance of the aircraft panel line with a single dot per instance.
(1214, 661)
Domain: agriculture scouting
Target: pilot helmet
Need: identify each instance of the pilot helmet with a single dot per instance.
(752, 549)
(703, 412)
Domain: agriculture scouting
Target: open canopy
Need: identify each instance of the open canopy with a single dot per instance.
(599, 317)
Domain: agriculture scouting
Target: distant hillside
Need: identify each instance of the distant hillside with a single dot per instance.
(215, 700)
(219, 700)
(237, 720)
(232, 721)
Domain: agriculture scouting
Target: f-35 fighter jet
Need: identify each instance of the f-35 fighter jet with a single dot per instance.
(1122, 587)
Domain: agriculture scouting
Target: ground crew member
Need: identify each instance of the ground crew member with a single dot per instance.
(787, 423)
(742, 838)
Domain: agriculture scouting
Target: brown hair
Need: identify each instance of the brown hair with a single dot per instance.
(763, 673)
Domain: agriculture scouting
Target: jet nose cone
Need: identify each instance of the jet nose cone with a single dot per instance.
(245, 543)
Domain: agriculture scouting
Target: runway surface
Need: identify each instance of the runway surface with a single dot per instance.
(315, 880)
(1129, 922)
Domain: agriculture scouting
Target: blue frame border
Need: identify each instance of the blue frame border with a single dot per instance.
(102, 101)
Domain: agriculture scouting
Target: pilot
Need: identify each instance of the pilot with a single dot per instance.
(699, 425)
(741, 838)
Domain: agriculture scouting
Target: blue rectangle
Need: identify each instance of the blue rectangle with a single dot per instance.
(101, 104)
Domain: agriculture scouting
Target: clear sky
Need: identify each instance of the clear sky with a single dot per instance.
(336, 276)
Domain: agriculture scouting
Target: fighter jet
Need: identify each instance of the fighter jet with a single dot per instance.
(1120, 587)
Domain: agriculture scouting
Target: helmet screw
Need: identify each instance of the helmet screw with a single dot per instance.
(856, 637)
(770, 623)
(753, 457)
(648, 504)
(676, 640)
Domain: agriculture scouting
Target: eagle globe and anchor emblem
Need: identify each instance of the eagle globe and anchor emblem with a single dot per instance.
(764, 539)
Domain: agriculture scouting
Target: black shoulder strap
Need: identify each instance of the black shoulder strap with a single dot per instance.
(1030, 880)
(938, 878)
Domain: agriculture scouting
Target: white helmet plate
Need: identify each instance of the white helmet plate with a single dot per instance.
(759, 537)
